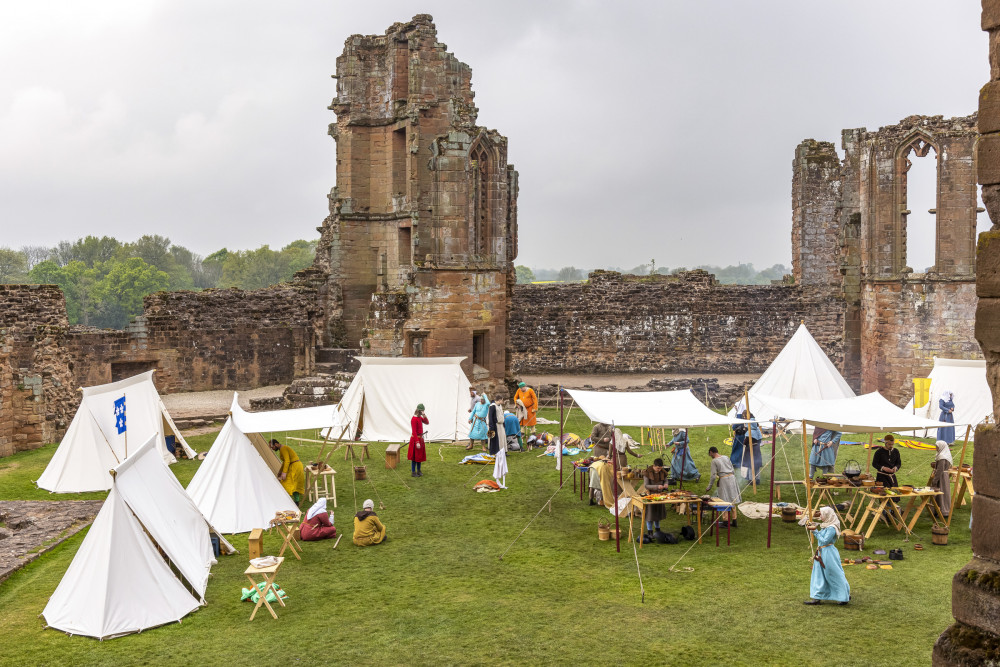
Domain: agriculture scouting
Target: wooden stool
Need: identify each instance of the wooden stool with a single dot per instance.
(392, 456)
(286, 530)
(349, 452)
(268, 574)
(329, 484)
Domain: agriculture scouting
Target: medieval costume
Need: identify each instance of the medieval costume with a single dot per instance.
(292, 474)
(655, 481)
(751, 447)
(526, 395)
(681, 464)
(722, 471)
(889, 459)
(942, 480)
(947, 405)
(601, 437)
(823, 455)
(317, 525)
(368, 530)
(512, 427)
(478, 420)
(496, 433)
(417, 451)
(828, 581)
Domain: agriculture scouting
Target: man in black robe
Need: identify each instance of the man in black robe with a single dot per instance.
(494, 425)
(886, 462)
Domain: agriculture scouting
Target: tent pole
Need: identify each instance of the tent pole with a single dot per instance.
(559, 453)
(805, 462)
(958, 477)
(871, 442)
(748, 443)
(614, 501)
(770, 502)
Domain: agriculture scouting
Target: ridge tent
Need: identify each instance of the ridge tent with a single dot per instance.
(800, 371)
(967, 379)
(235, 487)
(386, 390)
(94, 443)
(118, 583)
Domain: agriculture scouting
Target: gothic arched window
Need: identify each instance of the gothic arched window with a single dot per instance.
(482, 167)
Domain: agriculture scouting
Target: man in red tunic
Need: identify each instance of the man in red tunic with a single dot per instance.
(417, 451)
(317, 525)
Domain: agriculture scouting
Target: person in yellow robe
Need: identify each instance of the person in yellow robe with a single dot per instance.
(526, 395)
(292, 474)
(368, 530)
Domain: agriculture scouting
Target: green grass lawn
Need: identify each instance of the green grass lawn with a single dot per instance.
(437, 592)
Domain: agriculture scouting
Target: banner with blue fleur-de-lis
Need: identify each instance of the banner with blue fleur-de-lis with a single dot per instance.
(120, 415)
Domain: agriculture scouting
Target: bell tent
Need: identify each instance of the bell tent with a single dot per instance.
(966, 378)
(112, 421)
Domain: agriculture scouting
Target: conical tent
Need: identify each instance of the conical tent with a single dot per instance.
(800, 371)
(234, 488)
(117, 582)
(966, 378)
(169, 515)
(385, 393)
(95, 441)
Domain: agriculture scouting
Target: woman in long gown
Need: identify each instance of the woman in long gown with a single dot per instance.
(417, 450)
(947, 405)
(828, 580)
(681, 464)
(941, 480)
(729, 490)
(478, 431)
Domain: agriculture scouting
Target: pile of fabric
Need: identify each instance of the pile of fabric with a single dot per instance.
(486, 486)
(481, 458)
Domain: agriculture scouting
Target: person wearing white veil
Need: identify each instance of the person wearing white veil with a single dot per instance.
(828, 580)
(318, 524)
(941, 479)
(947, 405)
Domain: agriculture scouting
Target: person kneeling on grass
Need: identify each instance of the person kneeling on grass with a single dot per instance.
(729, 490)
(317, 525)
(828, 580)
(368, 530)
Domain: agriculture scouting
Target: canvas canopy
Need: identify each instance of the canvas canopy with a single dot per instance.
(801, 371)
(868, 413)
(300, 419)
(966, 378)
(118, 583)
(385, 393)
(235, 487)
(659, 409)
(93, 445)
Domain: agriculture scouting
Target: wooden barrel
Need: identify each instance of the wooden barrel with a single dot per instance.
(939, 534)
(853, 541)
(360, 472)
(788, 514)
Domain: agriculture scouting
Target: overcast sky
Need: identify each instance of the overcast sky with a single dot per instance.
(661, 129)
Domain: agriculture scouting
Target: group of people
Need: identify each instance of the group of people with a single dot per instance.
(497, 429)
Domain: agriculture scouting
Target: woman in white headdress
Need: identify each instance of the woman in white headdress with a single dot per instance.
(828, 580)
(318, 524)
(947, 405)
(941, 479)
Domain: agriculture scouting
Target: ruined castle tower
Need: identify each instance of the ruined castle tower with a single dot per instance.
(849, 232)
(422, 231)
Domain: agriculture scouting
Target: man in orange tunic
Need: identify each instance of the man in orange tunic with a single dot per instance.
(526, 395)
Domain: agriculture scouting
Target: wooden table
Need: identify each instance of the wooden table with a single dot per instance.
(884, 505)
(640, 503)
(329, 483)
(963, 478)
(286, 530)
(268, 574)
(817, 492)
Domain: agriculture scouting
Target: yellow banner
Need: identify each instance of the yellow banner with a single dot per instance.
(921, 392)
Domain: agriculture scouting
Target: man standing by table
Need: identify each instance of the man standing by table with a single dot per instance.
(886, 461)
(526, 395)
(655, 480)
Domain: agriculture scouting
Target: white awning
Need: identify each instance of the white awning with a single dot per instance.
(659, 409)
(868, 413)
(299, 419)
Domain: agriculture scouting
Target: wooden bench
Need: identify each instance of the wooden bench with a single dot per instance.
(779, 484)
(392, 456)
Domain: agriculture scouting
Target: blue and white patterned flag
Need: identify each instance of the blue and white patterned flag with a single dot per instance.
(120, 415)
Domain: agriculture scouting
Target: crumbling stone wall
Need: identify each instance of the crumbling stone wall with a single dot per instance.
(618, 323)
(422, 231)
(816, 193)
(974, 639)
(37, 397)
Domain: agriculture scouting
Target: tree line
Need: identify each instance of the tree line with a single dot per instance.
(739, 274)
(105, 280)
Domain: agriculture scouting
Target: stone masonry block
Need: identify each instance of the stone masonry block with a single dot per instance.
(988, 324)
(988, 265)
(986, 527)
(986, 461)
(972, 601)
(990, 19)
(988, 152)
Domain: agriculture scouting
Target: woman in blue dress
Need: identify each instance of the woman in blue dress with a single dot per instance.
(828, 580)
(824, 453)
(947, 405)
(681, 464)
(478, 421)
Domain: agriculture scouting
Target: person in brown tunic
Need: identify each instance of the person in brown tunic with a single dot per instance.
(600, 437)
(941, 479)
(655, 479)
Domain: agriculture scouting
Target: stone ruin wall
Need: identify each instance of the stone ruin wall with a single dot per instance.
(686, 323)
(974, 638)
(37, 394)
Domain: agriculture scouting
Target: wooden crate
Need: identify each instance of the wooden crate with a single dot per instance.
(392, 456)
(256, 548)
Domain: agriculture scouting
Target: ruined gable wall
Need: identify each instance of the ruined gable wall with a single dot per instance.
(617, 323)
(816, 195)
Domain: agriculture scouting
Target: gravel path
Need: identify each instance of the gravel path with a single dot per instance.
(201, 403)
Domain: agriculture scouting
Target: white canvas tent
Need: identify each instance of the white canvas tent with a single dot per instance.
(868, 413)
(235, 487)
(386, 391)
(800, 371)
(967, 379)
(118, 583)
(658, 409)
(92, 445)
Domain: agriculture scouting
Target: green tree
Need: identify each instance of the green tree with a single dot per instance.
(209, 273)
(13, 266)
(120, 293)
(90, 250)
(524, 275)
(570, 273)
